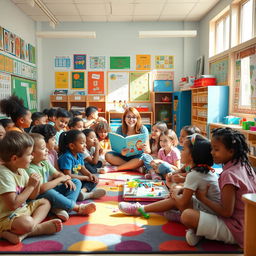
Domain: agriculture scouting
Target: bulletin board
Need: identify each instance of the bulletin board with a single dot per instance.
(219, 69)
(96, 82)
(139, 86)
(118, 86)
(26, 90)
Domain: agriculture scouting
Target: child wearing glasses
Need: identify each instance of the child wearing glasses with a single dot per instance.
(131, 124)
(197, 154)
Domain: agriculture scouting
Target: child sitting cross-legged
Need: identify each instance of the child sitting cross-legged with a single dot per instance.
(19, 219)
(71, 162)
(197, 154)
(59, 189)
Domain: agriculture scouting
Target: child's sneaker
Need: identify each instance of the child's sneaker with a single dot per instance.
(129, 208)
(98, 193)
(61, 214)
(172, 215)
(155, 176)
(191, 238)
(148, 176)
(106, 169)
(85, 209)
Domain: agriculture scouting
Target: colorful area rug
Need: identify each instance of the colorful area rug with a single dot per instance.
(109, 231)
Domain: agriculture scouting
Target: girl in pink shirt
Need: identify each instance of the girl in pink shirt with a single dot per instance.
(168, 157)
(229, 148)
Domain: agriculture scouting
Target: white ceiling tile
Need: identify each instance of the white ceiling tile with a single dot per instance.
(171, 18)
(200, 9)
(19, 1)
(182, 1)
(145, 18)
(29, 10)
(89, 1)
(121, 18)
(193, 18)
(148, 9)
(177, 9)
(92, 9)
(63, 9)
(94, 18)
(39, 18)
(122, 9)
(67, 18)
(149, 1)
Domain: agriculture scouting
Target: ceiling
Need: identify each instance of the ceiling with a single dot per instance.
(119, 10)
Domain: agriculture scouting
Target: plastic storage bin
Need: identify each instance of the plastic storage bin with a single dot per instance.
(163, 86)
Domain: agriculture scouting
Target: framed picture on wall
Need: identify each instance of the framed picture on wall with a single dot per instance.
(199, 67)
(79, 61)
(77, 80)
(1, 38)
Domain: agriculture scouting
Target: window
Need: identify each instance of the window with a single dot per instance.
(245, 84)
(246, 20)
(222, 34)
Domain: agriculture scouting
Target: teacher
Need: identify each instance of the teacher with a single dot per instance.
(131, 124)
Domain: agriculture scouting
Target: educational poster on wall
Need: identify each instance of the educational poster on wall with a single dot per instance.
(17, 46)
(253, 80)
(120, 62)
(77, 80)
(220, 70)
(79, 61)
(22, 49)
(1, 38)
(31, 53)
(163, 75)
(62, 62)
(12, 43)
(96, 82)
(139, 86)
(2, 62)
(143, 62)
(25, 89)
(6, 40)
(118, 86)
(97, 62)
(164, 62)
(26, 52)
(237, 85)
(61, 80)
(5, 86)
(8, 64)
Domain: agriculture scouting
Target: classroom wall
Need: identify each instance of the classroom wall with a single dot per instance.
(204, 31)
(115, 39)
(13, 19)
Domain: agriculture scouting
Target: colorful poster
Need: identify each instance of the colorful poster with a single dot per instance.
(31, 53)
(5, 86)
(62, 62)
(163, 75)
(2, 62)
(27, 52)
(6, 40)
(61, 80)
(8, 65)
(22, 49)
(143, 62)
(253, 80)
(96, 82)
(121, 62)
(17, 47)
(139, 86)
(118, 86)
(220, 70)
(164, 62)
(79, 61)
(12, 43)
(97, 62)
(78, 79)
(1, 38)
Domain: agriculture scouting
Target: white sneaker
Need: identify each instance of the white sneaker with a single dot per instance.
(191, 238)
(61, 214)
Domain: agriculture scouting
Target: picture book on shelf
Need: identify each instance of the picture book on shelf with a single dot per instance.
(60, 92)
(133, 143)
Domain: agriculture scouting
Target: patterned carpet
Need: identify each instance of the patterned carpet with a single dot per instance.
(109, 231)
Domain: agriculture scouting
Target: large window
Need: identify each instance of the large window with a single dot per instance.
(222, 34)
(246, 20)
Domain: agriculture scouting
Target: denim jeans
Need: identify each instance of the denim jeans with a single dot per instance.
(62, 197)
(165, 168)
(146, 158)
(89, 185)
(92, 168)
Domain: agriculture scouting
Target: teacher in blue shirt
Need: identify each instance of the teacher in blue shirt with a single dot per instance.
(131, 124)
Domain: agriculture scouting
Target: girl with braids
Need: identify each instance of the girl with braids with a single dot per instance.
(71, 162)
(229, 148)
(14, 108)
(197, 154)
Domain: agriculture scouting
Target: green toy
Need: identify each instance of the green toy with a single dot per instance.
(144, 214)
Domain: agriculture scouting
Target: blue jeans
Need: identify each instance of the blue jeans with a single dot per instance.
(62, 197)
(92, 168)
(165, 168)
(146, 158)
(89, 185)
(125, 158)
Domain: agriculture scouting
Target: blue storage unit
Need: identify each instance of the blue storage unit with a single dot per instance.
(209, 105)
(163, 85)
(181, 111)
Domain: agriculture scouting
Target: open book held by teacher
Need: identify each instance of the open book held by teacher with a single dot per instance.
(133, 143)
